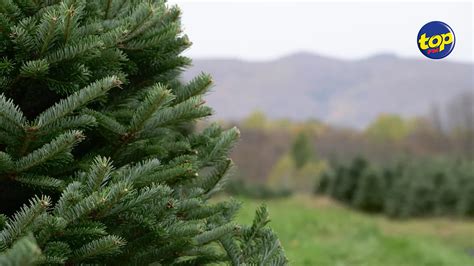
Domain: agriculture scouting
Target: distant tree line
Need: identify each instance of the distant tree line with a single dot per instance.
(444, 131)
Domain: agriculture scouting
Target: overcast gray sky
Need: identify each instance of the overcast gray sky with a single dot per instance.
(349, 30)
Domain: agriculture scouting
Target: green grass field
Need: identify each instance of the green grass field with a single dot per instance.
(318, 231)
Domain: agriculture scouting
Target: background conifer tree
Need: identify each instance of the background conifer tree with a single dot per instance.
(98, 162)
(302, 150)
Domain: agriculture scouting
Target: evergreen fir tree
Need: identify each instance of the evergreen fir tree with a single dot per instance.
(302, 150)
(369, 193)
(348, 179)
(98, 159)
(465, 201)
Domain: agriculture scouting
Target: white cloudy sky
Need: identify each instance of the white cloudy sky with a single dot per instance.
(259, 30)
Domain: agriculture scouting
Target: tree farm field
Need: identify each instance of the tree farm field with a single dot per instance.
(319, 231)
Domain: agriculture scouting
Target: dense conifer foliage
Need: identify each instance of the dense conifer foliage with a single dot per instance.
(99, 162)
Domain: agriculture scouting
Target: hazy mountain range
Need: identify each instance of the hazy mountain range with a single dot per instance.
(350, 93)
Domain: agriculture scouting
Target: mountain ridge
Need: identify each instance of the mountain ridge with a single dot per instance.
(345, 92)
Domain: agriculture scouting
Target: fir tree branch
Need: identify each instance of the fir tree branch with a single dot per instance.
(71, 195)
(216, 179)
(144, 196)
(138, 170)
(232, 249)
(271, 254)
(11, 117)
(11, 9)
(215, 234)
(24, 252)
(69, 123)
(22, 220)
(62, 144)
(76, 100)
(34, 69)
(154, 36)
(98, 174)
(114, 195)
(54, 253)
(165, 174)
(104, 246)
(226, 209)
(90, 229)
(74, 12)
(67, 25)
(6, 163)
(156, 98)
(188, 110)
(260, 220)
(74, 50)
(198, 86)
(84, 207)
(43, 182)
(183, 229)
(141, 19)
(223, 145)
(107, 122)
(47, 30)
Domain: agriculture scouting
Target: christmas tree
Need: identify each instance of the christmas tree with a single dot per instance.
(99, 160)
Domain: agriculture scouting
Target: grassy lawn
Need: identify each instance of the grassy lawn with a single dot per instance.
(317, 231)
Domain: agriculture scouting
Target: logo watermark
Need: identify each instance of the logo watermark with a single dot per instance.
(436, 40)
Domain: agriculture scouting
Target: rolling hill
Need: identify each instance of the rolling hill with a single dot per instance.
(349, 93)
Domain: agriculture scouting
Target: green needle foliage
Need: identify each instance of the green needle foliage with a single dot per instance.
(99, 162)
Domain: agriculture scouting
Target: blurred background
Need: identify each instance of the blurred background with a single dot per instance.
(362, 147)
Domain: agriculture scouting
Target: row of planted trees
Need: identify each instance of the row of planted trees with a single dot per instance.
(423, 187)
